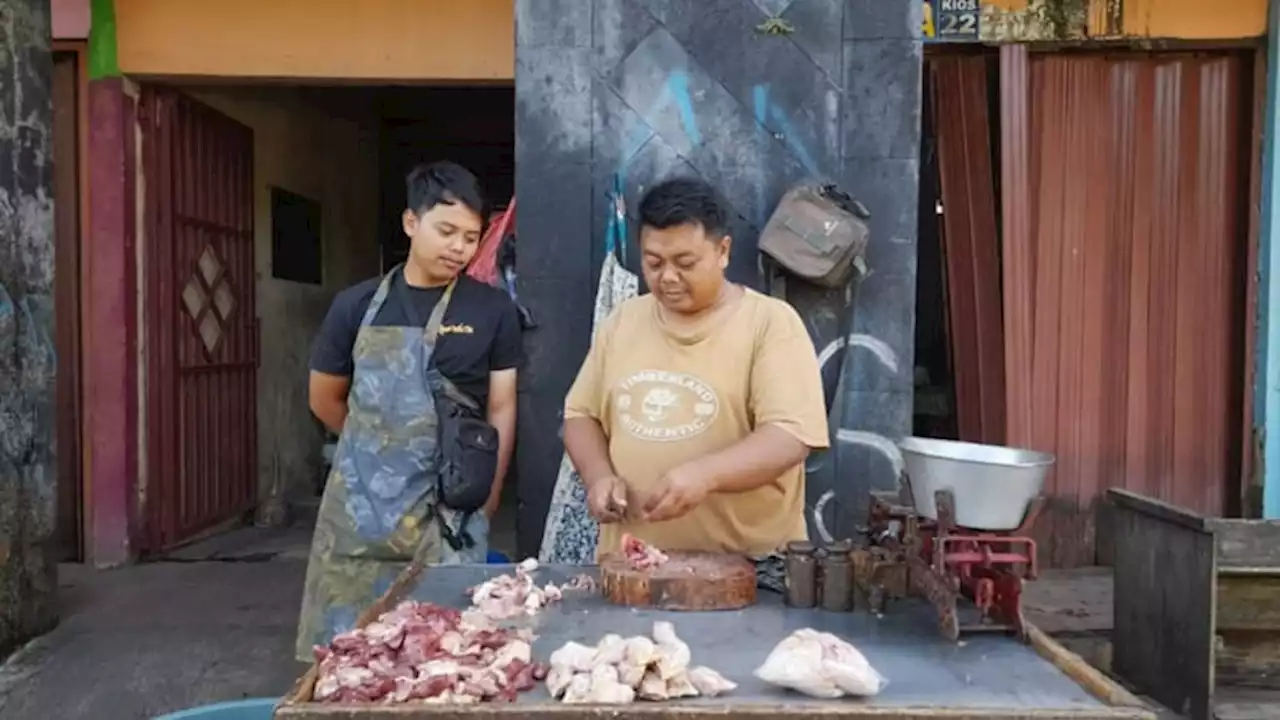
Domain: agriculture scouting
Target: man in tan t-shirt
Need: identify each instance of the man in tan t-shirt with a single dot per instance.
(696, 407)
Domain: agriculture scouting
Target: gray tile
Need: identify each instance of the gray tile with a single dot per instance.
(555, 348)
(553, 103)
(620, 25)
(775, 80)
(880, 20)
(704, 125)
(882, 357)
(889, 188)
(882, 100)
(555, 213)
(817, 32)
(553, 23)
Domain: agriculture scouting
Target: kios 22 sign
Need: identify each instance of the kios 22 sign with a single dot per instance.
(952, 20)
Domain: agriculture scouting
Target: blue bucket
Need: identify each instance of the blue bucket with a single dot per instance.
(252, 709)
(497, 558)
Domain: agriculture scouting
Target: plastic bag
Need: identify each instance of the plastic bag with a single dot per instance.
(820, 665)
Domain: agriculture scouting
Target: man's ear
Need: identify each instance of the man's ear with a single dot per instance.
(409, 221)
(726, 245)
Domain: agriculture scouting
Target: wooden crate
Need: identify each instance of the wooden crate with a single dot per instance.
(1197, 602)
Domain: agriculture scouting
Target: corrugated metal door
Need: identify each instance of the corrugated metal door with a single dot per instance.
(201, 332)
(971, 242)
(1132, 228)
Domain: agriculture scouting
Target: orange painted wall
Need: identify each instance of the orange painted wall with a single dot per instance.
(419, 40)
(1177, 19)
(1195, 19)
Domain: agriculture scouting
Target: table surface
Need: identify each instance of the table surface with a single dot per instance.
(904, 645)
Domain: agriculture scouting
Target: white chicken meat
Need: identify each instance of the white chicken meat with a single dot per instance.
(820, 665)
(620, 670)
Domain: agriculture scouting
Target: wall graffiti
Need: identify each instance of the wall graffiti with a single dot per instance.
(772, 120)
(655, 90)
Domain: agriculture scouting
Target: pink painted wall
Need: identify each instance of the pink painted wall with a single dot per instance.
(70, 19)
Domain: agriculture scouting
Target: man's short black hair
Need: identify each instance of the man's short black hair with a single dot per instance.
(683, 201)
(430, 184)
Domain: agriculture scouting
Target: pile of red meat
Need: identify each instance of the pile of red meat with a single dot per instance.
(641, 555)
(421, 652)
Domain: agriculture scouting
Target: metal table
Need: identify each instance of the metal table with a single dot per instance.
(981, 677)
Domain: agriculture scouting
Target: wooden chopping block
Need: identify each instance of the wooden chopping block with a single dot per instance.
(686, 581)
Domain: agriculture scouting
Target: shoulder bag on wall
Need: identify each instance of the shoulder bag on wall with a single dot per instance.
(818, 234)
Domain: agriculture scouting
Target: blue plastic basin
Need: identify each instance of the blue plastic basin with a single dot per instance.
(252, 709)
(497, 558)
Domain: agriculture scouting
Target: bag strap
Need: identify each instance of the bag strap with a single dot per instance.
(436, 380)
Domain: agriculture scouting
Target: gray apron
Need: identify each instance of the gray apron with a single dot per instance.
(378, 511)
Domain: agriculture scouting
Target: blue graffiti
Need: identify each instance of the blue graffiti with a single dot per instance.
(674, 92)
(764, 110)
(678, 90)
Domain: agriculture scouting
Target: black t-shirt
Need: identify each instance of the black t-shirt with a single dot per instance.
(480, 332)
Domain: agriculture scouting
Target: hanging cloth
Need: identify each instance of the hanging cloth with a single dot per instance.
(570, 534)
(484, 266)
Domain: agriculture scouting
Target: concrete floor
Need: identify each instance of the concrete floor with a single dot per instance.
(150, 639)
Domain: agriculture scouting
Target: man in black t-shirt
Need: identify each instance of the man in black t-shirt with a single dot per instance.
(479, 346)
(376, 372)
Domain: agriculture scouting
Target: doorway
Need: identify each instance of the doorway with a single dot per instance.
(324, 195)
(68, 127)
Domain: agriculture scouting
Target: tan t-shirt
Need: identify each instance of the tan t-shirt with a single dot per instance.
(666, 396)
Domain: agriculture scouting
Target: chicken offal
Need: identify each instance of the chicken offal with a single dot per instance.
(426, 653)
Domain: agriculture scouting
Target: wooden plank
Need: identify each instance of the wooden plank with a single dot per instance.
(1165, 595)
(1248, 658)
(1248, 602)
(1159, 508)
(1085, 675)
(1247, 545)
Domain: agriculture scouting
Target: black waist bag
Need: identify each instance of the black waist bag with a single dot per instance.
(466, 444)
(468, 453)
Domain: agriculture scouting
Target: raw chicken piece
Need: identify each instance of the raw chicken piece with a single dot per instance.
(652, 687)
(574, 656)
(680, 687)
(639, 650)
(638, 654)
(641, 555)
(672, 654)
(820, 665)
(710, 683)
(510, 596)
(610, 650)
(581, 581)
(579, 690)
(558, 679)
(611, 693)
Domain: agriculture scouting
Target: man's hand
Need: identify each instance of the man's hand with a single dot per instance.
(679, 491)
(607, 499)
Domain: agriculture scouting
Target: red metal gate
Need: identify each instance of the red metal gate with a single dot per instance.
(201, 328)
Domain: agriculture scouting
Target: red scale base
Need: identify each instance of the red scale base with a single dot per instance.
(945, 564)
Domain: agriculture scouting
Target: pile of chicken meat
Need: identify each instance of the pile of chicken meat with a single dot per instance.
(425, 652)
(621, 670)
(428, 653)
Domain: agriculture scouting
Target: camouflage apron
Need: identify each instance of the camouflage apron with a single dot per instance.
(378, 510)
